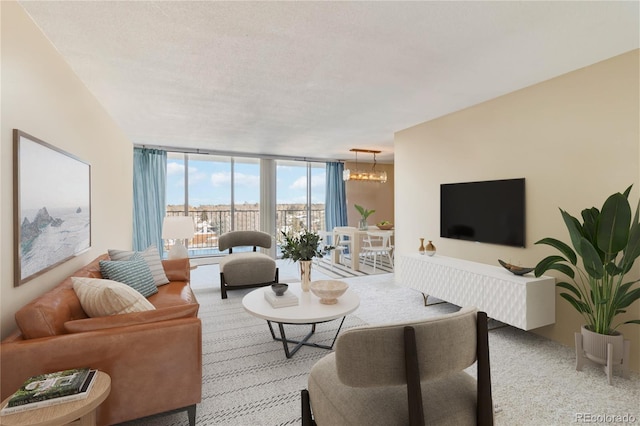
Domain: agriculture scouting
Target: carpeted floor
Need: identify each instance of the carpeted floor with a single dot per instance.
(248, 381)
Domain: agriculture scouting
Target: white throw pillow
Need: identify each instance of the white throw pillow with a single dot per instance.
(151, 255)
(100, 297)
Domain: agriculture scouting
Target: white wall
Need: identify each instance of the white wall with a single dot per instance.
(575, 139)
(43, 97)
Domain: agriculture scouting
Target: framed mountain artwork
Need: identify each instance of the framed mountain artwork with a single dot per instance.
(52, 206)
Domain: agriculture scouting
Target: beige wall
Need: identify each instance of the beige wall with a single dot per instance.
(43, 97)
(372, 196)
(575, 139)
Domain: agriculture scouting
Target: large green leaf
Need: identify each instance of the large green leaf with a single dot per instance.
(591, 259)
(590, 223)
(578, 305)
(570, 287)
(575, 230)
(613, 225)
(545, 264)
(564, 268)
(562, 247)
(628, 298)
(632, 250)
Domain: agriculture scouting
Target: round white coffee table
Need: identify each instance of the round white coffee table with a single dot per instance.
(309, 310)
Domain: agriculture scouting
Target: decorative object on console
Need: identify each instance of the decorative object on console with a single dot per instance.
(608, 241)
(329, 290)
(421, 248)
(364, 214)
(430, 249)
(177, 228)
(303, 247)
(517, 270)
(52, 212)
(367, 176)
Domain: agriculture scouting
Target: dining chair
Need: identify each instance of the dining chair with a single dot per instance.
(329, 239)
(377, 244)
(341, 236)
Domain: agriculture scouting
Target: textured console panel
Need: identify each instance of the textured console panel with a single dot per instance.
(522, 301)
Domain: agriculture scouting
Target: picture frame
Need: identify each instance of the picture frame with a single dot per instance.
(52, 206)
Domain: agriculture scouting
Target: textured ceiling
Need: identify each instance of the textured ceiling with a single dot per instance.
(314, 79)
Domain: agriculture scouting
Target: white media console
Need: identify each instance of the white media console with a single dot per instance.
(524, 302)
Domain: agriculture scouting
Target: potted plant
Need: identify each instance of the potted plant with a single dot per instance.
(608, 243)
(302, 247)
(364, 214)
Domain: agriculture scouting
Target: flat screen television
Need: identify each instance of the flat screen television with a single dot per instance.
(488, 212)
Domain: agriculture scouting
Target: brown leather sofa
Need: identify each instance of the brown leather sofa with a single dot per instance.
(154, 357)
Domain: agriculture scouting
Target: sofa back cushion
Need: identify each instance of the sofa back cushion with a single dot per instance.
(46, 315)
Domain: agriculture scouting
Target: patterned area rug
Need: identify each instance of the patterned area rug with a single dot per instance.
(248, 381)
(340, 270)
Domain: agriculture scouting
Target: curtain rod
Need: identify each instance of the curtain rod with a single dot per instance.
(236, 154)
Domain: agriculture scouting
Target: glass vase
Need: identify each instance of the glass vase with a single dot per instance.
(430, 249)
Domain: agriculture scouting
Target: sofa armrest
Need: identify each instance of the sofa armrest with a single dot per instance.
(177, 269)
(134, 318)
(147, 364)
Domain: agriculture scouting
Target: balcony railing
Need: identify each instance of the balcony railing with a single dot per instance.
(212, 223)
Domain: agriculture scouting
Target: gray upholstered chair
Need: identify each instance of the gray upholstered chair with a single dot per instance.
(245, 269)
(404, 374)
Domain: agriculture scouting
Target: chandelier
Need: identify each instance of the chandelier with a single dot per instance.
(365, 175)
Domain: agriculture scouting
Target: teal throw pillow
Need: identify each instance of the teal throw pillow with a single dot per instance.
(151, 256)
(134, 272)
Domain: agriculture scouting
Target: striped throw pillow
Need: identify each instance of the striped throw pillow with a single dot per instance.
(134, 273)
(151, 256)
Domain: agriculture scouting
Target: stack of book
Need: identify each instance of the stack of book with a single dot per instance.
(287, 299)
(51, 389)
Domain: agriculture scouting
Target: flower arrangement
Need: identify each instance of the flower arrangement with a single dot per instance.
(304, 245)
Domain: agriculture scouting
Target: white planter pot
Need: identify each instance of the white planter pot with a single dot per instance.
(603, 349)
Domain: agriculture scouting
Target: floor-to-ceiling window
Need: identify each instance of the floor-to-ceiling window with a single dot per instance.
(222, 193)
(300, 195)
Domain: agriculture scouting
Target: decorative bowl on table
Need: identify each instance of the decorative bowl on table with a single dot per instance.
(385, 226)
(518, 270)
(279, 288)
(328, 290)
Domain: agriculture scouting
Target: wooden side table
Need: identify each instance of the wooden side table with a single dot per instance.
(80, 413)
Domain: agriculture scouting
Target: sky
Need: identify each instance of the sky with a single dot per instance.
(50, 178)
(210, 181)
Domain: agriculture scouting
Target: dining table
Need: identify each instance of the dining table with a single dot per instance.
(356, 237)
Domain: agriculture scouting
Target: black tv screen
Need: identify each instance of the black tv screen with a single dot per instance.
(488, 212)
